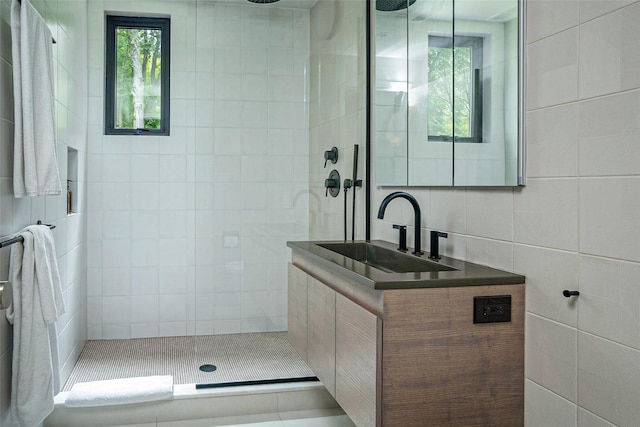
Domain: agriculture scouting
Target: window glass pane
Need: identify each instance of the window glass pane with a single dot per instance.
(463, 90)
(440, 99)
(138, 78)
(454, 98)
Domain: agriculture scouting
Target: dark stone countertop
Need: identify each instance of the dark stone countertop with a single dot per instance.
(465, 273)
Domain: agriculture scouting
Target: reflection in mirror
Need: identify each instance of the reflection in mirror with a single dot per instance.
(492, 160)
(446, 94)
(391, 93)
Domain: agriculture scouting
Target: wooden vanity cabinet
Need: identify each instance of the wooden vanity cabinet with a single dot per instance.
(409, 357)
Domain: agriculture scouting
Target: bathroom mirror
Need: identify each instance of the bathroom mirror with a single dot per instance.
(448, 104)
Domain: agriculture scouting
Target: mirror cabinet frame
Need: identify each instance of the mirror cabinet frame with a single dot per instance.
(371, 84)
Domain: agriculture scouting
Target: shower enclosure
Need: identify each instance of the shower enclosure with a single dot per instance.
(187, 232)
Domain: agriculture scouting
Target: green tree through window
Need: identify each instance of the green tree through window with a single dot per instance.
(454, 103)
(137, 75)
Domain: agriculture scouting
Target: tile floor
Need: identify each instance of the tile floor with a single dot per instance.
(238, 357)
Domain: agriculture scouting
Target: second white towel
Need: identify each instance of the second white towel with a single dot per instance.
(120, 392)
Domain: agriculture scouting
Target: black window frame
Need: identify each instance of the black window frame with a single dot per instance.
(476, 43)
(164, 25)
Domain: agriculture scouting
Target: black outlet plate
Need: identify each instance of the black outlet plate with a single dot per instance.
(489, 309)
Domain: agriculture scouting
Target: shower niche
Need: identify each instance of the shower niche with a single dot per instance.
(72, 181)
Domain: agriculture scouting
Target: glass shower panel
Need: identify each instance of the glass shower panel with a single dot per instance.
(249, 162)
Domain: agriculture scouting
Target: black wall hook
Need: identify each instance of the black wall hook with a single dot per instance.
(567, 293)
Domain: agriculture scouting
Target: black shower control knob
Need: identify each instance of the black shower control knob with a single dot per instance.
(332, 184)
(331, 155)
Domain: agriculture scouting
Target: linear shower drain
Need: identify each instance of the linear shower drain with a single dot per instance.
(208, 368)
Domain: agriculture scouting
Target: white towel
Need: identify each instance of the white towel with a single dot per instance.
(120, 391)
(35, 166)
(37, 303)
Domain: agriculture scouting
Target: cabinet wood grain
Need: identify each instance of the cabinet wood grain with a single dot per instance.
(297, 310)
(356, 361)
(441, 369)
(321, 344)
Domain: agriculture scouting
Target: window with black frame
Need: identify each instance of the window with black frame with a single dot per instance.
(137, 76)
(454, 103)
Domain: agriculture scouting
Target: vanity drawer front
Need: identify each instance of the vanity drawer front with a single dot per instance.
(321, 344)
(356, 361)
(297, 310)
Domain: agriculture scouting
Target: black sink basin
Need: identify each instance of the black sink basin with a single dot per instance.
(384, 259)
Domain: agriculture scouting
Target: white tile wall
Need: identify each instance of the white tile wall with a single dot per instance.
(552, 70)
(552, 143)
(608, 376)
(541, 406)
(550, 355)
(609, 52)
(337, 106)
(575, 224)
(68, 23)
(178, 215)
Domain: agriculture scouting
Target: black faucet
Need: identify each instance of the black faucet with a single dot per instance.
(416, 210)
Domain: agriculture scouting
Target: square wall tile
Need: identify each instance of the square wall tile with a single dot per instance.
(116, 310)
(610, 53)
(144, 281)
(550, 355)
(609, 295)
(543, 408)
(490, 213)
(144, 309)
(547, 17)
(173, 307)
(116, 253)
(116, 281)
(609, 217)
(447, 210)
(608, 378)
(552, 70)
(492, 253)
(545, 213)
(552, 142)
(144, 168)
(607, 131)
(548, 273)
(116, 225)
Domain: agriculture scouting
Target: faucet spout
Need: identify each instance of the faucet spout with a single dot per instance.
(417, 249)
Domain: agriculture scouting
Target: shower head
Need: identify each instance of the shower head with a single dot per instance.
(266, 1)
(391, 5)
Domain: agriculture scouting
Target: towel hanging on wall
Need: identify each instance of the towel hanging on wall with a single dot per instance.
(35, 165)
(37, 304)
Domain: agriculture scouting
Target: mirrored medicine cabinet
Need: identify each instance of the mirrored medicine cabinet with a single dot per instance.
(447, 92)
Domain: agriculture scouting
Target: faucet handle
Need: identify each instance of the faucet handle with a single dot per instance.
(402, 241)
(331, 155)
(435, 248)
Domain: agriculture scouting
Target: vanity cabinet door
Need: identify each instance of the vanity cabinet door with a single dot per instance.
(321, 338)
(356, 361)
(297, 310)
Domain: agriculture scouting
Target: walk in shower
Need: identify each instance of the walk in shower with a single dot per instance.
(187, 233)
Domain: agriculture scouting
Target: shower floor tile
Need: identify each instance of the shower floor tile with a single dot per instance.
(238, 357)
